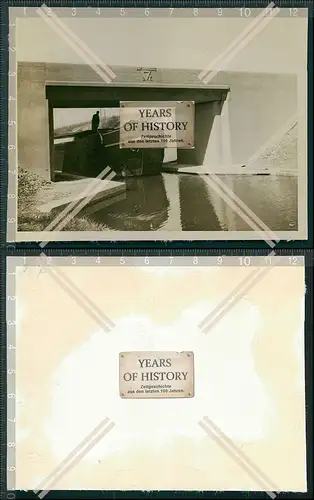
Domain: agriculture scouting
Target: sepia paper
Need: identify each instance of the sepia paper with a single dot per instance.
(72, 324)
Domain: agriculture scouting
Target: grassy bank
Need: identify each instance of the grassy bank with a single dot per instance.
(31, 219)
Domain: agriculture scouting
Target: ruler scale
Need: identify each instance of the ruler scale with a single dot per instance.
(186, 253)
(12, 132)
(205, 7)
(11, 375)
(169, 260)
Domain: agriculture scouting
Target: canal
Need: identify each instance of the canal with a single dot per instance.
(174, 202)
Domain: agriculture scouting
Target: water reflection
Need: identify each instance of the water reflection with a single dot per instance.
(145, 207)
(197, 210)
(187, 203)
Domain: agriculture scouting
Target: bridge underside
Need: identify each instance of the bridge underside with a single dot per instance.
(247, 120)
(69, 96)
(208, 111)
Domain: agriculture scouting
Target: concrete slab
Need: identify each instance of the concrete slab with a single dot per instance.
(58, 195)
(62, 176)
(171, 168)
(239, 169)
(200, 169)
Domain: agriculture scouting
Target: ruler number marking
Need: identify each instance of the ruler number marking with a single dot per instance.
(245, 12)
(268, 259)
(293, 261)
(245, 261)
(293, 12)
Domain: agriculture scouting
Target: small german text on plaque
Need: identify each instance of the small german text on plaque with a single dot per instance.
(156, 374)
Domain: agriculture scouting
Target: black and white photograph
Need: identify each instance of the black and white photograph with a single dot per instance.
(241, 174)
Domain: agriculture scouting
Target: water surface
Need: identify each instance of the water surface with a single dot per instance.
(186, 202)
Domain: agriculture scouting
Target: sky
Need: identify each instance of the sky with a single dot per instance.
(167, 43)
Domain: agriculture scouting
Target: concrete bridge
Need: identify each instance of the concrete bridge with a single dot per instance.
(235, 115)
